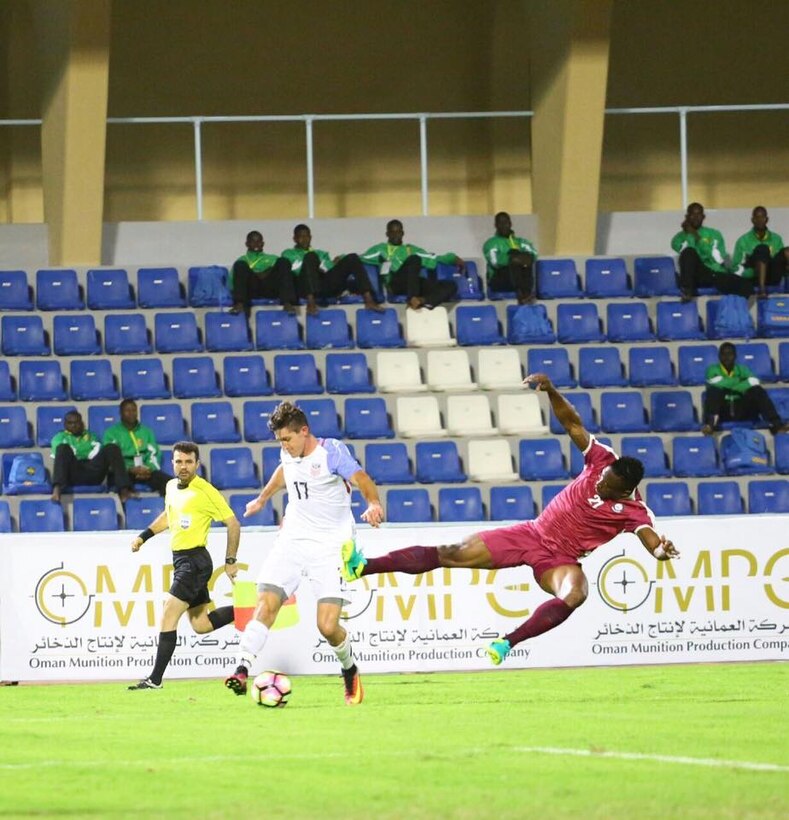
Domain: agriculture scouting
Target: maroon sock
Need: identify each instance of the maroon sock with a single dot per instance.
(411, 560)
(545, 617)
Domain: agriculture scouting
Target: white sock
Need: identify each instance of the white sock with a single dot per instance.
(252, 642)
(344, 653)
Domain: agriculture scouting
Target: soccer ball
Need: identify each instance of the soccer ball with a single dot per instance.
(270, 689)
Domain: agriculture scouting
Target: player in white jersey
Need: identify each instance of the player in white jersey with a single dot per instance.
(317, 474)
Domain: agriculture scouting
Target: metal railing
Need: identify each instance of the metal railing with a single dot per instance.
(421, 119)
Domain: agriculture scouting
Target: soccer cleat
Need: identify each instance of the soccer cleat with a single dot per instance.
(237, 682)
(353, 562)
(499, 650)
(145, 683)
(354, 691)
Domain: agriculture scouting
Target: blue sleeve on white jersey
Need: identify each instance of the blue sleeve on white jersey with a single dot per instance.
(340, 461)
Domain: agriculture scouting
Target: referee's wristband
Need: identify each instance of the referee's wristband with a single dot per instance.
(146, 534)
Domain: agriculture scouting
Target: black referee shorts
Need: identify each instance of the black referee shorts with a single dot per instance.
(192, 571)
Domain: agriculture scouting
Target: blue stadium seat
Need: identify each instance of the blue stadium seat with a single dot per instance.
(628, 323)
(460, 504)
(552, 361)
(58, 290)
(76, 335)
(773, 330)
(511, 503)
(600, 367)
(408, 506)
(126, 333)
(549, 492)
(264, 518)
(607, 279)
(7, 388)
(756, 356)
(651, 366)
(91, 380)
(14, 427)
(438, 462)
(694, 361)
(768, 496)
(31, 489)
(109, 290)
(271, 460)
(256, 415)
(783, 361)
(140, 512)
(94, 515)
(388, 463)
(378, 329)
(143, 379)
(159, 288)
(558, 279)
(673, 412)
(166, 421)
(329, 329)
(15, 293)
(669, 498)
(40, 516)
(348, 373)
(23, 336)
(469, 284)
(195, 378)
(478, 325)
(547, 338)
(296, 373)
(367, 418)
(224, 296)
(246, 376)
(713, 333)
(102, 416)
(5, 518)
(41, 381)
(649, 451)
(782, 453)
(720, 498)
(277, 330)
(577, 457)
(582, 402)
(623, 412)
(655, 276)
(578, 323)
(695, 456)
(233, 468)
(213, 422)
(177, 333)
(50, 420)
(541, 460)
(678, 321)
(358, 506)
(227, 332)
(322, 417)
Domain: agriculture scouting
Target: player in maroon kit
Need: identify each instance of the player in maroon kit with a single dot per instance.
(599, 504)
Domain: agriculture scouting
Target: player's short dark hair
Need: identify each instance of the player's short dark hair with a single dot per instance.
(630, 470)
(254, 233)
(287, 415)
(301, 227)
(728, 346)
(502, 213)
(188, 448)
(124, 402)
(392, 222)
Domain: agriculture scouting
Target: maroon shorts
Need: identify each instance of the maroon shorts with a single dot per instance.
(522, 544)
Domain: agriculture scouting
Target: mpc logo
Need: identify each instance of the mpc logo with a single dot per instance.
(623, 583)
(61, 596)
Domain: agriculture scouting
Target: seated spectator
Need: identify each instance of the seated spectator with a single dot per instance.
(80, 459)
(702, 258)
(401, 269)
(141, 453)
(734, 394)
(760, 254)
(510, 261)
(259, 275)
(318, 276)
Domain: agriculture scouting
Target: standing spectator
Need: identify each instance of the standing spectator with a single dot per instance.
(510, 261)
(80, 459)
(702, 258)
(259, 275)
(141, 453)
(760, 254)
(401, 269)
(319, 276)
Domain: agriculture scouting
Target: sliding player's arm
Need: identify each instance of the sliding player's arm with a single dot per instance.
(566, 414)
(660, 546)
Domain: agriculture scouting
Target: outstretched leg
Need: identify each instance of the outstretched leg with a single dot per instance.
(329, 626)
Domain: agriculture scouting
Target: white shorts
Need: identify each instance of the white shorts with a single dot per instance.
(294, 559)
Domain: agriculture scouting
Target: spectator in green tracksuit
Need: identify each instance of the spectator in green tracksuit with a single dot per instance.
(80, 459)
(734, 394)
(760, 254)
(702, 258)
(318, 276)
(401, 269)
(259, 275)
(510, 261)
(141, 453)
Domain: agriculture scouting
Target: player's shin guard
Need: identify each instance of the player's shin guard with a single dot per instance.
(252, 642)
(545, 617)
(344, 652)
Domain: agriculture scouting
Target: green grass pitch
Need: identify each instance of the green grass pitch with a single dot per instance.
(705, 741)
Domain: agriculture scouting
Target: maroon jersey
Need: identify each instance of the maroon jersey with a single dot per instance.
(578, 520)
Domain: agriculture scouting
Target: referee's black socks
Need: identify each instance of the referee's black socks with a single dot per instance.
(222, 616)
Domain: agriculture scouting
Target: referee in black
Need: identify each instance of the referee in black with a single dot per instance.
(190, 505)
